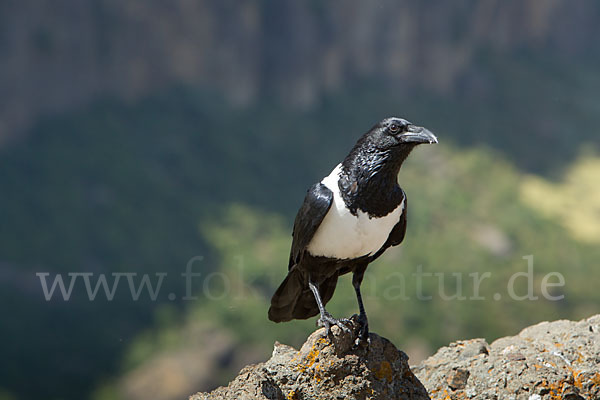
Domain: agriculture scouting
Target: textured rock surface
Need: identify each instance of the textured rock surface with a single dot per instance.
(327, 368)
(547, 361)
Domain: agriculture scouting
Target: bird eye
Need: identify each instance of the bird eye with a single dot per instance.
(394, 128)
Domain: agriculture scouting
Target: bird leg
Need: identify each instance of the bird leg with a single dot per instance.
(326, 320)
(363, 335)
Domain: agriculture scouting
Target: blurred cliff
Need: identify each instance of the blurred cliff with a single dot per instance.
(60, 55)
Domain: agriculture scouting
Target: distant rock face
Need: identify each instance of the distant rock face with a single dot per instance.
(547, 361)
(56, 59)
(327, 368)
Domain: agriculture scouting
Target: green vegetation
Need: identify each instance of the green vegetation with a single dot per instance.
(575, 203)
(465, 218)
(144, 187)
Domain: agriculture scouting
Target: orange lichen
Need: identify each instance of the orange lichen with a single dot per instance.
(595, 379)
(311, 359)
(318, 376)
(292, 395)
(578, 381)
(556, 389)
(446, 396)
(384, 372)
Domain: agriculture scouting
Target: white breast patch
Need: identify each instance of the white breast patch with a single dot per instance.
(345, 236)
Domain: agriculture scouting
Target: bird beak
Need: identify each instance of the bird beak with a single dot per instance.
(418, 134)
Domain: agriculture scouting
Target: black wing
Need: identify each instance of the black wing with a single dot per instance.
(398, 231)
(317, 202)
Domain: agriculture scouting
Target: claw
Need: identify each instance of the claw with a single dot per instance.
(359, 341)
(363, 333)
(326, 321)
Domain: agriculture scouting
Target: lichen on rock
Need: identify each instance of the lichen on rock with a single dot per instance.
(327, 368)
(549, 361)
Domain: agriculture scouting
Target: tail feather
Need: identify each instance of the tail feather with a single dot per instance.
(294, 299)
(285, 298)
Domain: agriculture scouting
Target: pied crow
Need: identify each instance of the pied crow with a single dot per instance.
(346, 221)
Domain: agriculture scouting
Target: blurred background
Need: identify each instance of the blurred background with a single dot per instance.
(137, 136)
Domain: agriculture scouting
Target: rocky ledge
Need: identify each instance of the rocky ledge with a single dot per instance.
(548, 361)
(327, 368)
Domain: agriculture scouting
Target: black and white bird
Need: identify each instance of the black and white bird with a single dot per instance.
(346, 221)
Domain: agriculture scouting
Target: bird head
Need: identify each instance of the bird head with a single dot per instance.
(384, 147)
(368, 177)
(388, 143)
(397, 133)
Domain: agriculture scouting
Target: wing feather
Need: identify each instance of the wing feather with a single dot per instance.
(316, 204)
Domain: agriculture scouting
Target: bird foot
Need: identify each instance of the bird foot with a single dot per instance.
(327, 321)
(363, 333)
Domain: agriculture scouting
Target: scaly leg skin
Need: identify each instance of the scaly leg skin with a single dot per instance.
(326, 320)
(363, 334)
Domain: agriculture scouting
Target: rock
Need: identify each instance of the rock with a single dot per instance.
(547, 361)
(327, 368)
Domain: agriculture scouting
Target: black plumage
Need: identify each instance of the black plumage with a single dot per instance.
(346, 222)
